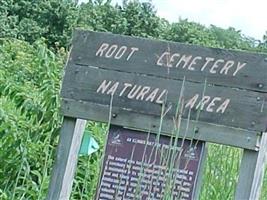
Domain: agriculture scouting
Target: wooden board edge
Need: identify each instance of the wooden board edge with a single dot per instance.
(196, 130)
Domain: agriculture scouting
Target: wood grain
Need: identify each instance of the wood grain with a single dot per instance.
(71, 133)
(197, 130)
(144, 61)
(245, 110)
(252, 172)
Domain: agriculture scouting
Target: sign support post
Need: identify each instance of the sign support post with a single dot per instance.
(201, 172)
(67, 156)
(251, 172)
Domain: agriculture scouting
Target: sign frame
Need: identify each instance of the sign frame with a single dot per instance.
(76, 112)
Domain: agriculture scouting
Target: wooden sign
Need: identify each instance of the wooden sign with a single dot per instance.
(217, 88)
(186, 91)
(137, 166)
(170, 60)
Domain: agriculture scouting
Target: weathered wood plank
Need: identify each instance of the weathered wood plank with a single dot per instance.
(246, 109)
(197, 130)
(67, 156)
(200, 175)
(252, 172)
(160, 58)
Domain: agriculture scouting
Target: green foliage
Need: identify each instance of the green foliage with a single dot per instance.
(263, 45)
(54, 20)
(30, 76)
(264, 186)
(101, 16)
(192, 33)
(141, 19)
(132, 18)
(30, 20)
(29, 101)
(232, 39)
(88, 170)
(221, 172)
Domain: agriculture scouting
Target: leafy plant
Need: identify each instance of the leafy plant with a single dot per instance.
(30, 20)
(32, 34)
(29, 87)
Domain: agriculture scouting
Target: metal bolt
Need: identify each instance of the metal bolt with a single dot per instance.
(114, 115)
(154, 126)
(248, 139)
(76, 71)
(265, 59)
(253, 123)
(196, 130)
(258, 98)
(260, 85)
(85, 34)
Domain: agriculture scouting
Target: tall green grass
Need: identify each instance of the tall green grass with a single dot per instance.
(221, 172)
(29, 118)
(30, 77)
(264, 186)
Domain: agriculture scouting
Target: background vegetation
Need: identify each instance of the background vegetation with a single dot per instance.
(34, 41)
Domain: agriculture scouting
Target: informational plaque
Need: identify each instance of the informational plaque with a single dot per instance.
(139, 165)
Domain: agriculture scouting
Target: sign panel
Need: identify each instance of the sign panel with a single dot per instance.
(172, 60)
(145, 95)
(136, 166)
(141, 79)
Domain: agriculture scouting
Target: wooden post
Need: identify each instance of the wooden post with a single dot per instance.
(201, 171)
(66, 161)
(252, 172)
